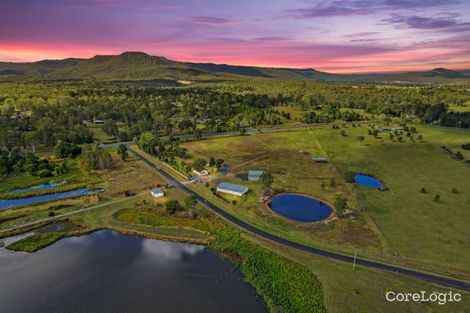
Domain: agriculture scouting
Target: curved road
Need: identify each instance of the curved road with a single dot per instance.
(440, 280)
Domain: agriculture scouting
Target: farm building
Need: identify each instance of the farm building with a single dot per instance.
(254, 175)
(233, 189)
(386, 129)
(157, 193)
(319, 160)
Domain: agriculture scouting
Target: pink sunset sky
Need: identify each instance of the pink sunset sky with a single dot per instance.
(334, 36)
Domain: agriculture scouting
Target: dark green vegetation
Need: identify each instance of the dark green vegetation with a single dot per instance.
(12, 161)
(37, 115)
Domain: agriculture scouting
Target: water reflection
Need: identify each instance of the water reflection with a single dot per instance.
(110, 272)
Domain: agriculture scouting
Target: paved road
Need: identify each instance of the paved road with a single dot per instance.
(440, 280)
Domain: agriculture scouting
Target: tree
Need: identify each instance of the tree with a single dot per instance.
(340, 205)
(172, 206)
(96, 158)
(66, 150)
(219, 162)
(104, 160)
(190, 202)
(122, 151)
(110, 128)
(199, 164)
(267, 180)
(343, 133)
(423, 190)
(360, 139)
(147, 142)
(437, 198)
(31, 139)
(211, 162)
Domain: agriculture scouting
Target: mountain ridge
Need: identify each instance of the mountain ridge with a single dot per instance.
(135, 65)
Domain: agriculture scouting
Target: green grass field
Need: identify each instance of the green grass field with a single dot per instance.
(419, 229)
(400, 225)
(287, 155)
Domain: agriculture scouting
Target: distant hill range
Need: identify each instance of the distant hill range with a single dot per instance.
(141, 66)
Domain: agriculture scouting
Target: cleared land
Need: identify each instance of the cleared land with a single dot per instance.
(400, 225)
(288, 156)
(418, 228)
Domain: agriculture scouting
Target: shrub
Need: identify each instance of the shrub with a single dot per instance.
(349, 177)
(65, 149)
(172, 206)
(44, 173)
(340, 205)
(285, 285)
(199, 164)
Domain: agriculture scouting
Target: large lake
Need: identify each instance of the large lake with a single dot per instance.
(110, 272)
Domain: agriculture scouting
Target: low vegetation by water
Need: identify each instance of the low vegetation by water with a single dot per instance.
(285, 285)
(37, 193)
(36, 241)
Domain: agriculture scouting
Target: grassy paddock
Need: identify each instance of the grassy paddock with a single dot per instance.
(401, 225)
(288, 156)
(421, 231)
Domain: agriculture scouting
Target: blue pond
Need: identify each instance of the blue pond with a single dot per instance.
(5, 204)
(300, 208)
(368, 181)
(40, 187)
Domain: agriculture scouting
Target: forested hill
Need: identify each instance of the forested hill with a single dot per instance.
(126, 66)
(141, 66)
(433, 76)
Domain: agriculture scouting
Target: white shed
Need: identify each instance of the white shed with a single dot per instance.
(157, 193)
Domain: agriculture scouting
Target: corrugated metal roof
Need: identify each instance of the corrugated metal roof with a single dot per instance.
(233, 187)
